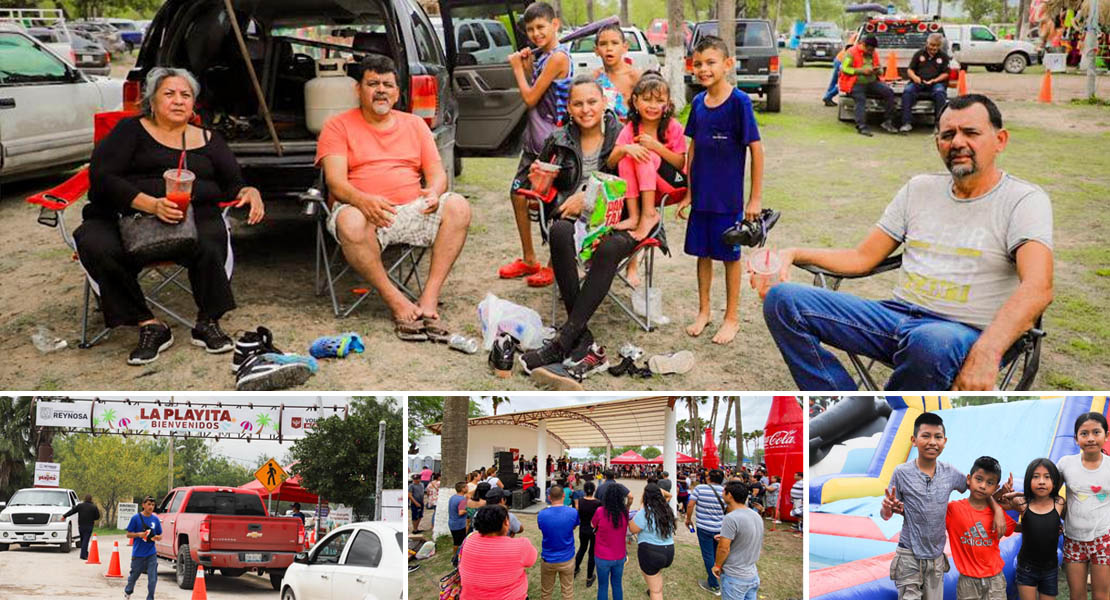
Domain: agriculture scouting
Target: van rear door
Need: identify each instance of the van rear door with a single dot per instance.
(490, 106)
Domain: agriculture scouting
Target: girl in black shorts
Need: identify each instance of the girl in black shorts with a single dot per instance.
(655, 526)
(1042, 511)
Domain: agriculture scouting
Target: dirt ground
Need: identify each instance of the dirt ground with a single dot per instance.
(274, 269)
(40, 571)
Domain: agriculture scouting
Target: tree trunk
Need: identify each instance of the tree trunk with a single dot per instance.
(763, 9)
(724, 429)
(624, 13)
(1022, 19)
(454, 446)
(590, 10)
(558, 6)
(739, 434)
(674, 63)
(713, 413)
(726, 13)
(940, 7)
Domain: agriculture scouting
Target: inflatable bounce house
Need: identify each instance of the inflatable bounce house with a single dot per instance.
(854, 447)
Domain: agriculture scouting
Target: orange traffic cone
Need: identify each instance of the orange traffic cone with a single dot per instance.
(891, 73)
(961, 83)
(1046, 88)
(200, 591)
(94, 552)
(113, 564)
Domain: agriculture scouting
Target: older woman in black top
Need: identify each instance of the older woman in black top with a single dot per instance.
(126, 177)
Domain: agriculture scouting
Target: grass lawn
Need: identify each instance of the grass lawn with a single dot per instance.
(780, 569)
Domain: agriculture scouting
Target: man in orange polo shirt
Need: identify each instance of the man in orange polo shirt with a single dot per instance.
(387, 186)
(859, 78)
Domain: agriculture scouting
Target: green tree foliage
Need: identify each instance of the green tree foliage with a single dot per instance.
(651, 452)
(111, 468)
(17, 453)
(74, 9)
(977, 9)
(425, 410)
(338, 459)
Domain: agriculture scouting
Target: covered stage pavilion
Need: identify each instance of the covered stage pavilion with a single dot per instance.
(646, 421)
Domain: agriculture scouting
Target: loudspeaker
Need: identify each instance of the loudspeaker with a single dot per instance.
(504, 463)
(520, 500)
(508, 480)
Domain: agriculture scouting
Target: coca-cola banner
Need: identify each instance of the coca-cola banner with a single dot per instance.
(249, 421)
(782, 441)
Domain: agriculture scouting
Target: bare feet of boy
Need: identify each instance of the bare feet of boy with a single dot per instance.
(694, 329)
(727, 331)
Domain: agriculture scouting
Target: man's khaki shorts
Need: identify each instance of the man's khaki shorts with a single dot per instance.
(410, 225)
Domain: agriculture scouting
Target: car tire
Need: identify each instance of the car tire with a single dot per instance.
(22, 545)
(690, 93)
(843, 113)
(1015, 63)
(995, 68)
(287, 594)
(4, 547)
(232, 572)
(67, 546)
(799, 60)
(458, 166)
(774, 98)
(275, 579)
(185, 568)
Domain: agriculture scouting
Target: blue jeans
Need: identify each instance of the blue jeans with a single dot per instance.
(925, 349)
(937, 91)
(139, 565)
(834, 89)
(708, 547)
(735, 588)
(610, 570)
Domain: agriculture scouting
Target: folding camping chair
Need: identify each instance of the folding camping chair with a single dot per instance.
(648, 245)
(52, 212)
(402, 271)
(1025, 353)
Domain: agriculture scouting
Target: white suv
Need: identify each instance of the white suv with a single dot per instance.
(360, 560)
(35, 516)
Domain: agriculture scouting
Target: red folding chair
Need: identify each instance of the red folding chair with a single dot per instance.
(52, 213)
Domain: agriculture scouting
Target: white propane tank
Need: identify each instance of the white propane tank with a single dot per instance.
(330, 92)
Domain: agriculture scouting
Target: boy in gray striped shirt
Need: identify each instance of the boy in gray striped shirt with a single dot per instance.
(919, 491)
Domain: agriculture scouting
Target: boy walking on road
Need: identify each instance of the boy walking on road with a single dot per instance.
(145, 529)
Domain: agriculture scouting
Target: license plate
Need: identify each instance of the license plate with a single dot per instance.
(820, 53)
(252, 557)
(86, 57)
(28, 537)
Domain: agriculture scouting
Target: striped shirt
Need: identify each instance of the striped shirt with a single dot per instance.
(550, 112)
(493, 568)
(709, 511)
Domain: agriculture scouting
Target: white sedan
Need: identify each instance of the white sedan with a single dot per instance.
(359, 560)
(639, 52)
(46, 108)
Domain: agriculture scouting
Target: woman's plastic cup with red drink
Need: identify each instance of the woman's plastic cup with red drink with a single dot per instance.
(179, 187)
(543, 176)
(766, 269)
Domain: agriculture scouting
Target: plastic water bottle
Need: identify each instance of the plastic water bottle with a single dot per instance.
(463, 344)
(45, 341)
(692, 529)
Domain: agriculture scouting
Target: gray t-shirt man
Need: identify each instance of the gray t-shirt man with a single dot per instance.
(925, 503)
(959, 258)
(745, 528)
(417, 490)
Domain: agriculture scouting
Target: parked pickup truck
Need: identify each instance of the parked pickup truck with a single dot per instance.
(35, 516)
(228, 529)
(977, 45)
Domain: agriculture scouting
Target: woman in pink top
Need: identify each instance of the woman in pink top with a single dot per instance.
(492, 564)
(611, 524)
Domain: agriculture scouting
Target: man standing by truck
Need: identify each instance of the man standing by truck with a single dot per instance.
(87, 516)
(928, 73)
(859, 78)
(146, 529)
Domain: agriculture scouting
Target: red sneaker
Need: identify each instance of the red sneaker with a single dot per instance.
(543, 278)
(518, 268)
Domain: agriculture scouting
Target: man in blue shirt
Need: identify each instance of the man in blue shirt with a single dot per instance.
(557, 523)
(145, 529)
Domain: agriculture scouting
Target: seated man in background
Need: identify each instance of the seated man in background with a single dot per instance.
(387, 186)
(928, 73)
(976, 273)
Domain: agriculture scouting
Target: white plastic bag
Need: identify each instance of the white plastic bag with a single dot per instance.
(496, 315)
(655, 300)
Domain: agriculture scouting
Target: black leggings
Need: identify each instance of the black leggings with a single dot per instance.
(582, 303)
(586, 542)
(121, 297)
(654, 558)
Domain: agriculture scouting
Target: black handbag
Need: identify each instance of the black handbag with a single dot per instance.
(147, 239)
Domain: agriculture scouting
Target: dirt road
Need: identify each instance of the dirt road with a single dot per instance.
(40, 572)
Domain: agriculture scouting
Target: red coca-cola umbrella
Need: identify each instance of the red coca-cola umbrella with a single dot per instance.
(709, 458)
(782, 441)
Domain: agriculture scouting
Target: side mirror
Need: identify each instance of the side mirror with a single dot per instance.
(955, 47)
(658, 50)
(302, 558)
(470, 46)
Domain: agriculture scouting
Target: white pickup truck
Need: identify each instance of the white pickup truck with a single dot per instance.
(35, 516)
(977, 45)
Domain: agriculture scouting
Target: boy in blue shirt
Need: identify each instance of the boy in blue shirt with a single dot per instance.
(456, 515)
(722, 129)
(557, 523)
(546, 97)
(145, 529)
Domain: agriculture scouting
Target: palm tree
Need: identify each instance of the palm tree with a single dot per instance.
(498, 401)
(739, 433)
(713, 413)
(726, 428)
(16, 449)
(453, 453)
(263, 420)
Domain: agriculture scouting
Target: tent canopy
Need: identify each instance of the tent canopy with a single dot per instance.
(629, 458)
(290, 490)
(682, 459)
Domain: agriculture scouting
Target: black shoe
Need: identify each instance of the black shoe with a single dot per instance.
(153, 339)
(208, 335)
(556, 377)
(268, 372)
(829, 102)
(503, 354)
(260, 341)
(549, 354)
(595, 361)
(863, 130)
(888, 126)
(590, 580)
(581, 349)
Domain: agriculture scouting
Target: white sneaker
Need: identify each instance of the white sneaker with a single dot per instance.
(905, 128)
(677, 363)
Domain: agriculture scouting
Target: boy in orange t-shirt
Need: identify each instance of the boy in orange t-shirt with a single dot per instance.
(971, 539)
